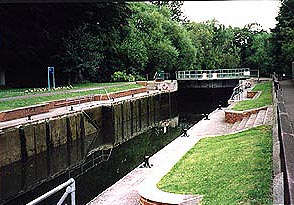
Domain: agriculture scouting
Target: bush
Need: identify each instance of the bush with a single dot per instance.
(139, 78)
(121, 76)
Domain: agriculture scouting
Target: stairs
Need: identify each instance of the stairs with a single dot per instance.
(260, 118)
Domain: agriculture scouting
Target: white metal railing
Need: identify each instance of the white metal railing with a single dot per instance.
(213, 74)
(161, 76)
(237, 94)
(70, 189)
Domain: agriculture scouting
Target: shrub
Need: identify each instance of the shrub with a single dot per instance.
(121, 76)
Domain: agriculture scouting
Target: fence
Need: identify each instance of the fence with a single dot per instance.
(286, 145)
(213, 74)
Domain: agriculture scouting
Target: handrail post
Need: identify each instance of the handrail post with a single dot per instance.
(73, 193)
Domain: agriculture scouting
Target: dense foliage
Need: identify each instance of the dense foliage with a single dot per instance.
(93, 41)
(283, 38)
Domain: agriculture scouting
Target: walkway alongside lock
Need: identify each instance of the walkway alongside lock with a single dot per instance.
(139, 186)
(285, 140)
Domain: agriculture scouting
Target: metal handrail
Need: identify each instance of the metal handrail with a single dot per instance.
(70, 186)
(237, 91)
(161, 76)
(213, 74)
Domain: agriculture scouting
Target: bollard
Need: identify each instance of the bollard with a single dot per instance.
(146, 162)
(206, 116)
(219, 107)
(185, 132)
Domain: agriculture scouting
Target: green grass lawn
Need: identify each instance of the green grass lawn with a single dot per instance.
(12, 92)
(11, 104)
(264, 99)
(230, 169)
(95, 85)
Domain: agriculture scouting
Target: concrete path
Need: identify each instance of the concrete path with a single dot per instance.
(288, 95)
(61, 92)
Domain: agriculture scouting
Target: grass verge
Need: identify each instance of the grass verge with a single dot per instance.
(13, 92)
(264, 99)
(229, 169)
(11, 104)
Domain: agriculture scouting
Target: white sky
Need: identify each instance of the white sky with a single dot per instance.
(234, 13)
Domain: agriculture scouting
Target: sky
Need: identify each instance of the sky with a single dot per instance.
(236, 13)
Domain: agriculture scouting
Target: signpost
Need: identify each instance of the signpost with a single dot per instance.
(51, 73)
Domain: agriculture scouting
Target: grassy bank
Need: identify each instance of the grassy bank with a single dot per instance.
(12, 92)
(264, 99)
(11, 104)
(230, 169)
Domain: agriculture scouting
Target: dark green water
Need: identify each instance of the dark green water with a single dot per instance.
(184, 111)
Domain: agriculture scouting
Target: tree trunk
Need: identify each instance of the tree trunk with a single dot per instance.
(80, 76)
(2, 78)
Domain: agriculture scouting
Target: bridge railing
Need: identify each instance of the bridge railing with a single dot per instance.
(213, 74)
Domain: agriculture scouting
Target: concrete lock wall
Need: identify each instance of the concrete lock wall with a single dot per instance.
(221, 83)
(133, 117)
(116, 123)
(35, 151)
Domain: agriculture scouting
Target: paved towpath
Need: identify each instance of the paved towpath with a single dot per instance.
(62, 92)
(288, 95)
(125, 191)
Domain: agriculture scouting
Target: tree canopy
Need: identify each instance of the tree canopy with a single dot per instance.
(92, 41)
(283, 38)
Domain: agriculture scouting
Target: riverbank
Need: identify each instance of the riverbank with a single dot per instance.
(140, 184)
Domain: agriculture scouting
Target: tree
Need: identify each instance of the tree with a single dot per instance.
(175, 8)
(83, 54)
(260, 57)
(91, 50)
(155, 42)
(214, 43)
(35, 39)
(283, 38)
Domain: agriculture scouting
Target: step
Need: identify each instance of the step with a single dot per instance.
(235, 125)
(259, 118)
(242, 124)
(250, 121)
(268, 119)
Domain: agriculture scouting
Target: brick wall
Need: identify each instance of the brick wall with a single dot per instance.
(234, 116)
(144, 201)
(24, 112)
(251, 94)
(43, 108)
(143, 83)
